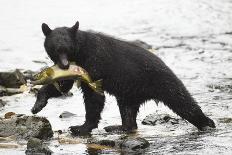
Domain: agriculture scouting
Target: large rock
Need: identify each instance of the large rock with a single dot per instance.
(35, 146)
(134, 144)
(12, 79)
(25, 127)
(154, 119)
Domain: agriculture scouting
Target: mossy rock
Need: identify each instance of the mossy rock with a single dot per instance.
(24, 127)
(12, 79)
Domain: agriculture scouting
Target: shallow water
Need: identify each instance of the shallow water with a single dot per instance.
(192, 37)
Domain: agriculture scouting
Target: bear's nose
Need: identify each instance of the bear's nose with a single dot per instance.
(63, 62)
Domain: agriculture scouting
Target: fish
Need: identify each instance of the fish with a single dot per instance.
(54, 73)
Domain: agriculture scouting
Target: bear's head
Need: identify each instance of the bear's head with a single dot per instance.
(60, 44)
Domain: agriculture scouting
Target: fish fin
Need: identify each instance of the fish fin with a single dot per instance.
(36, 82)
(97, 86)
(57, 86)
(78, 82)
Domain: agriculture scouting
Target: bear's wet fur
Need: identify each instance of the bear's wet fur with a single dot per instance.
(130, 73)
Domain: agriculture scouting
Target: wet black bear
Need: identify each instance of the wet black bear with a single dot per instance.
(130, 73)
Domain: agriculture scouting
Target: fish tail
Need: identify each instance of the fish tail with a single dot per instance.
(97, 86)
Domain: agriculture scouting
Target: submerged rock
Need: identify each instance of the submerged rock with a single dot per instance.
(28, 74)
(12, 79)
(2, 103)
(66, 114)
(106, 142)
(9, 145)
(9, 91)
(220, 87)
(36, 146)
(25, 127)
(154, 119)
(225, 120)
(134, 144)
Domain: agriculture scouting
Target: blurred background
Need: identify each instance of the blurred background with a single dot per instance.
(193, 37)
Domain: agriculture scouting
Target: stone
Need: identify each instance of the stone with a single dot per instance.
(66, 114)
(134, 144)
(28, 74)
(24, 127)
(154, 119)
(2, 103)
(12, 79)
(36, 146)
(106, 142)
(9, 145)
(9, 115)
(9, 91)
(225, 120)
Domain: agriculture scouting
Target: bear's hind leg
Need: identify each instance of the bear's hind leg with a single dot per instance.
(182, 103)
(128, 115)
(94, 104)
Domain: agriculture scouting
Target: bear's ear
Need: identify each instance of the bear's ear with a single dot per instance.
(46, 30)
(75, 27)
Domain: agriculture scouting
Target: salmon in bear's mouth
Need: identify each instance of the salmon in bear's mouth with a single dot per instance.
(55, 73)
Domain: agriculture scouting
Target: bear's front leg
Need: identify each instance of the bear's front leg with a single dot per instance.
(94, 104)
(48, 91)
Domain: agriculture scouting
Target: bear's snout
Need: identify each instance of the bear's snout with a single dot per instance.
(63, 62)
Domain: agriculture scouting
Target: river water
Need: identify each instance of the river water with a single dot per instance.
(193, 37)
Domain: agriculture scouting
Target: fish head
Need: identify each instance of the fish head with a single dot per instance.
(43, 77)
(60, 44)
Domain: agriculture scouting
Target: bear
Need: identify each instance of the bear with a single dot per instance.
(131, 73)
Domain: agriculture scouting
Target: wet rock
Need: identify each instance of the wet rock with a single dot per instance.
(113, 128)
(24, 127)
(28, 74)
(220, 87)
(35, 146)
(67, 140)
(134, 144)
(171, 46)
(9, 145)
(7, 139)
(2, 103)
(9, 115)
(154, 119)
(40, 62)
(225, 120)
(10, 91)
(12, 79)
(106, 142)
(59, 131)
(142, 44)
(66, 114)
